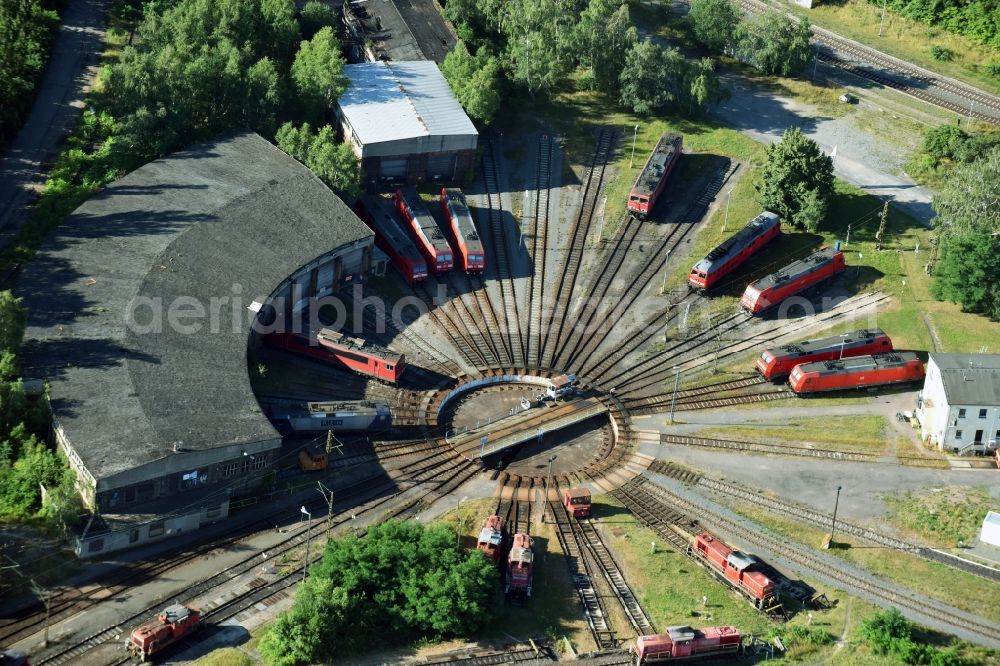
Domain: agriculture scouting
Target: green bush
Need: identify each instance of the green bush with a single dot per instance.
(941, 53)
(888, 633)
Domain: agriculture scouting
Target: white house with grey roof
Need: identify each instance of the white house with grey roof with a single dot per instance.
(404, 124)
(959, 407)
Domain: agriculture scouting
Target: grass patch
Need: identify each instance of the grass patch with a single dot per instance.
(226, 657)
(857, 433)
(962, 590)
(905, 39)
(944, 515)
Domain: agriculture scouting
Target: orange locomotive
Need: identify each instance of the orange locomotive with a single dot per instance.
(520, 566)
(173, 624)
(685, 643)
(577, 502)
(856, 372)
(730, 254)
(653, 177)
(735, 568)
(491, 538)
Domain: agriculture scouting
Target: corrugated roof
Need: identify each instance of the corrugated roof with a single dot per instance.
(969, 379)
(222, 222)
(390, 101)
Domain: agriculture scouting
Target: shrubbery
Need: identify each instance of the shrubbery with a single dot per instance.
(399, 583)
(890, 634)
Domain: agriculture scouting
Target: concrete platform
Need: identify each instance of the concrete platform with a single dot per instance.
(524, 426)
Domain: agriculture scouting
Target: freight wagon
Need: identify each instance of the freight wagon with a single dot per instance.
(653, 177)
(577, 502)
(170, 626)
(424, 230)
(793, 279)
(354, 353)
(732, 252)
(856, 372)
(345, 416)
(392, 238)
(778, 362)
(468, 246)
(685, 643)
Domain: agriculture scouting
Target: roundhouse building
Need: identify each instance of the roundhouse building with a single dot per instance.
(140, 310)
(405, 124)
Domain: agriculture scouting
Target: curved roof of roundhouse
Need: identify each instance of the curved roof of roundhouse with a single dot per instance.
(221, 224)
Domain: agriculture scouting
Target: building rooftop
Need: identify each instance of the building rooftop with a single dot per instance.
(390, 101)
(216, 226)
(969, 379)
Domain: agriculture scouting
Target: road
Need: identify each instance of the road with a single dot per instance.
(71, 70)
(866, 160)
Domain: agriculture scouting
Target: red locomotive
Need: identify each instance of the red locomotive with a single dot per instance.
(733, 251)
(520, 564)
(577, 502)
(685, 643)
(425, 230)
(173, 624)
(778, 362)
(653, 177)
(735, 568)
(333, 347)
(491, 538)
(468, 246)
(391, 237)
(856, 372)
(798, 276)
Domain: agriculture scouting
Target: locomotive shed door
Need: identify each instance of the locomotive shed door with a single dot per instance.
(441, 166)
(392, 169)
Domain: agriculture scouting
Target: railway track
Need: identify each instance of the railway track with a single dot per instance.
(484, 311)
(539, 248)
(468, 345)
(840, 573)
(578, 232)
(820, 519)
(502, 254)
(895, 73)
(649, 405)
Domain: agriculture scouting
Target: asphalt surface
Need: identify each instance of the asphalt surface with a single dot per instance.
(71, 70)
(868, 161)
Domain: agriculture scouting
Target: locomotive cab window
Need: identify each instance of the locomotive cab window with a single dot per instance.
(633, 198)
(388, 366)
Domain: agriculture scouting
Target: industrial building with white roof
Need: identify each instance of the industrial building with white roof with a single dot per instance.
(404, 124)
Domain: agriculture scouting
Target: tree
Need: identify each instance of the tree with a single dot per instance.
(399, 582)
(604, 35)
(475, 80)
(316, 15)
(334, 163)
(26, 27)
(318, 73)
(703, 87)
(796, 180)
(968, 199)
(714, 23)
(773, 43)
(539, 48)
(13, 318)
(968, 272)
(651, 77)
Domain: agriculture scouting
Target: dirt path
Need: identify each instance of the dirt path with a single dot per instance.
(69, 75)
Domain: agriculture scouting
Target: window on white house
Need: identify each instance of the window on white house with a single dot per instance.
(961, 413)
(958, 434)
(982, 413)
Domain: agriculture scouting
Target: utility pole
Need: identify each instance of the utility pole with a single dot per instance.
(328, 496)
(663, 287)
(305, 564)
(635, 133)
(725, 220)
(881, 226)
(833, 525)
(545, 503)
(882, 22)
(673, 401)
(45, 596)
(847, 240)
